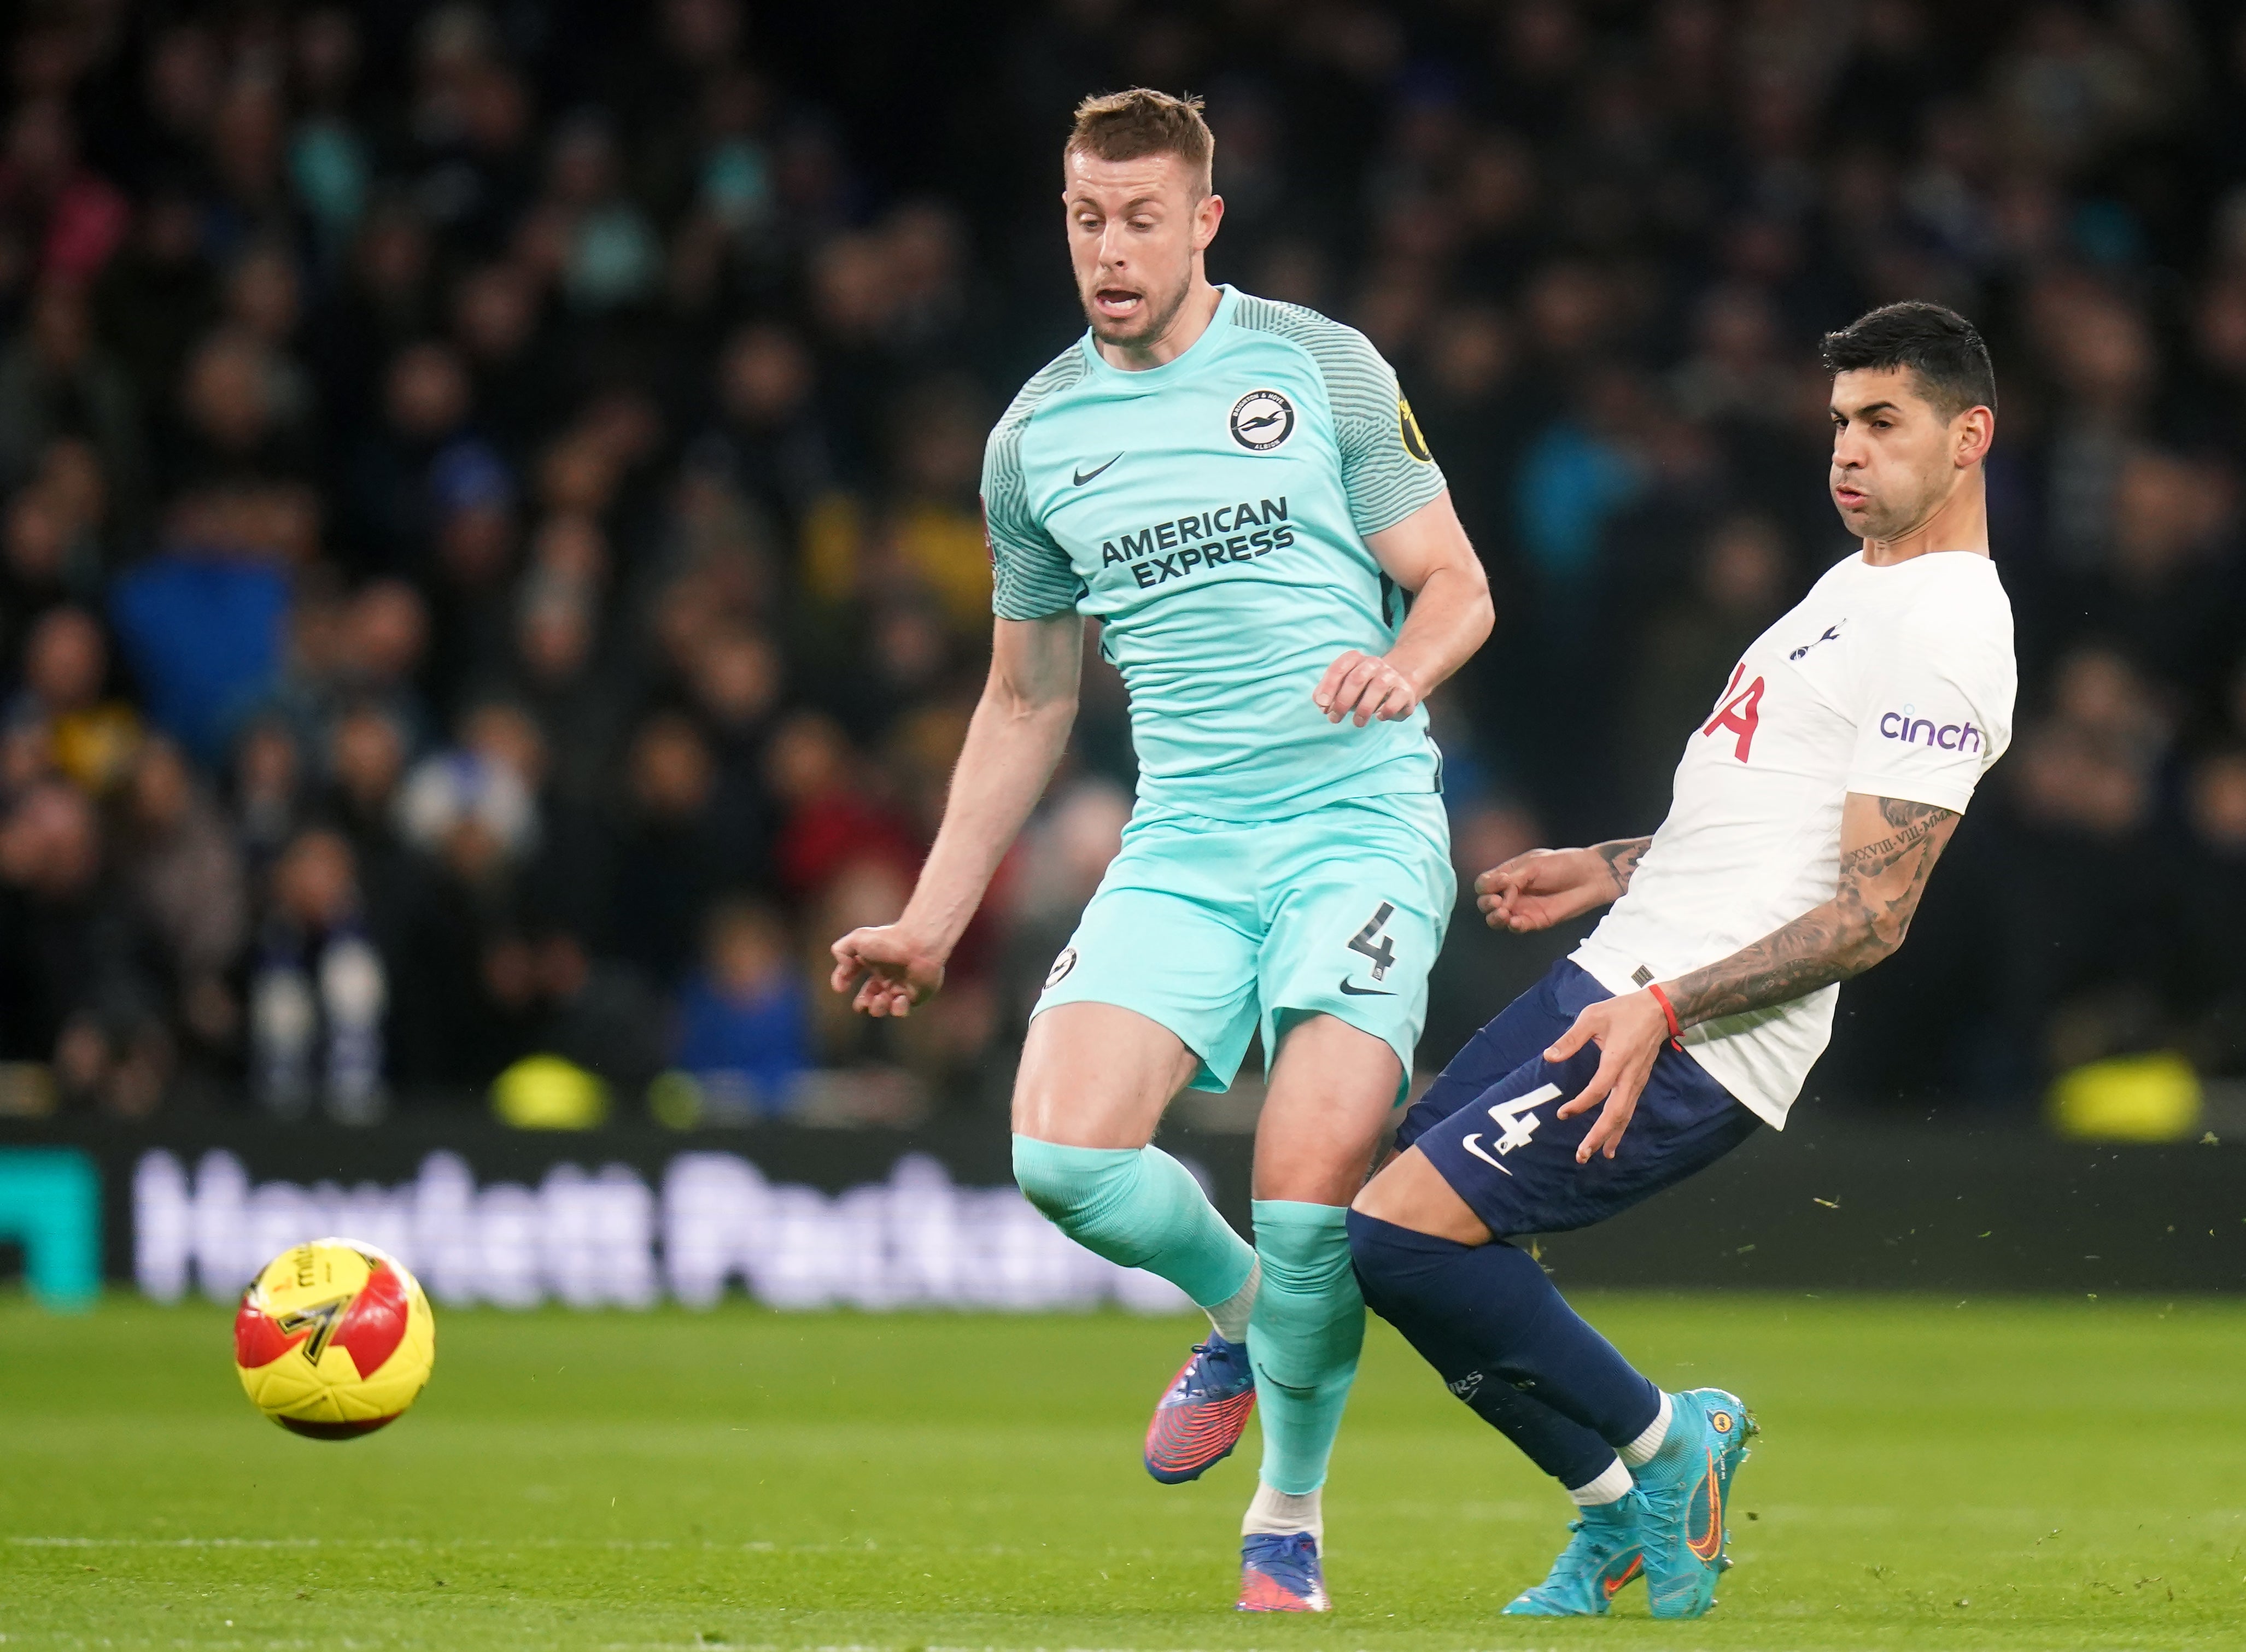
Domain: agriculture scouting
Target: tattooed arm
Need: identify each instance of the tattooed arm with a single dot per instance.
(1621, 857)
(1888, 847)
(1545, 887)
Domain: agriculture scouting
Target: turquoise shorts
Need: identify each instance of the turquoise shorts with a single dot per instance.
(1215, 928)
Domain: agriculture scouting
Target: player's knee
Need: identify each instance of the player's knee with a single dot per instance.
(1393, 1263)
(1061, 1182)
(1309, 1314)
(1087, 1193)
(1370, 1255)
(1304, 1248)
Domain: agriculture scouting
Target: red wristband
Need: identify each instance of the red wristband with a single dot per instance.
(1676, 1032)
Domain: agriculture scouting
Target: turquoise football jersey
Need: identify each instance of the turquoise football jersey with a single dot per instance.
(1212, 512)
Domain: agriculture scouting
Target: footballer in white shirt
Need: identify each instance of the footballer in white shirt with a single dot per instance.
(1809, 808)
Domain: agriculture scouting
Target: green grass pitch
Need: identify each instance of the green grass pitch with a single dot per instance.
(1932, 1474)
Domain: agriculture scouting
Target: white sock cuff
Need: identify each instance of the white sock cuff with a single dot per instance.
(1611, 1486)
(1284, 1513)
(1640, 1451)
(1230, 1316)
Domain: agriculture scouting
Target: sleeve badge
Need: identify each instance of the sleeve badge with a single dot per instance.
(1408, 428)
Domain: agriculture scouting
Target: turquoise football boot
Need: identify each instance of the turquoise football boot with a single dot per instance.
(1686, 1487)
(1604, 1555)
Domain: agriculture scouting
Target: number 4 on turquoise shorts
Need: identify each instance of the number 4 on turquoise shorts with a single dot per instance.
(1217, 928)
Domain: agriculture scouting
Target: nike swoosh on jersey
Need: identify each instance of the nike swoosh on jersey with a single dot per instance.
(1363, 992)
(1082, 477)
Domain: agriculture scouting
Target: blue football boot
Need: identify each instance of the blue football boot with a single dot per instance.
(1604, 1555)
(1280, 1573)
(1685, 1488)
(1204, 1413)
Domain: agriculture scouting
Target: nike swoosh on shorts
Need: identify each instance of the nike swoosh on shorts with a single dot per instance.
(1363, 992)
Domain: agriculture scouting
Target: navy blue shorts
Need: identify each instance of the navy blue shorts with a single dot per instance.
(1489, 1122)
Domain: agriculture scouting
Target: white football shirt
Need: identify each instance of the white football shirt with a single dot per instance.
(1897, 682)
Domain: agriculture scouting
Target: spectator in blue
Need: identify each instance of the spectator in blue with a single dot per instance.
(201, 622)
(744, 1022)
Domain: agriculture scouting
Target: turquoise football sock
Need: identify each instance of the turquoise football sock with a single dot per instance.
(1139, 1206)
(1304, 1339)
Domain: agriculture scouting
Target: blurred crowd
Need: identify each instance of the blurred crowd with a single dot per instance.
(490, 570)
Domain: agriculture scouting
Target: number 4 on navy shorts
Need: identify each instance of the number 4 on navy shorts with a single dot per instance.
(1491, 1125)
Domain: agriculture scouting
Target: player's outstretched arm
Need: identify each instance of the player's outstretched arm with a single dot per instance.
(1019, 731)
(1427, 553)
(1888, 847)
(1541, 888)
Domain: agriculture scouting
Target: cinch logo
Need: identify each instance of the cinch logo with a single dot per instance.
(1918, 731)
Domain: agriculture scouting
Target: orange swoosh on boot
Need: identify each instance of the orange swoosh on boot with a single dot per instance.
(1615, 1586)
(1710, 1544)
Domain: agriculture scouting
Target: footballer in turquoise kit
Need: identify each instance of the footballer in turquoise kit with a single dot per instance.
(1236, 490)
(1212, 512)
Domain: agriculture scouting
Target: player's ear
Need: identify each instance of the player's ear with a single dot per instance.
(1975, 432)
(1207, 216)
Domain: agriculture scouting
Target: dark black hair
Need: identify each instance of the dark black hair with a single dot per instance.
(1937, 343)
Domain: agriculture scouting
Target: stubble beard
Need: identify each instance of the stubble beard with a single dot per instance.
(1153, 321)
(1887, 519)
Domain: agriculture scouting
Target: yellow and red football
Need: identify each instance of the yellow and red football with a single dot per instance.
(334, 1339)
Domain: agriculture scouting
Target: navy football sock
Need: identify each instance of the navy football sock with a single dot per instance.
(1567, 1451)
(1488, 1318)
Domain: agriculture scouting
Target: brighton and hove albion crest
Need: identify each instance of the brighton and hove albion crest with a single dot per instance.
(1261, 420)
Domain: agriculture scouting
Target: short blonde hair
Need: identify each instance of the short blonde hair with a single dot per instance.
(1125, 126)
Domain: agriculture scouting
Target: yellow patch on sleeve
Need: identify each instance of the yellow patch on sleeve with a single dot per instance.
(1408, 427)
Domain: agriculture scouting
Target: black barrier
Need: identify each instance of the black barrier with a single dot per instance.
(805, 1215)
(1836, 1203)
